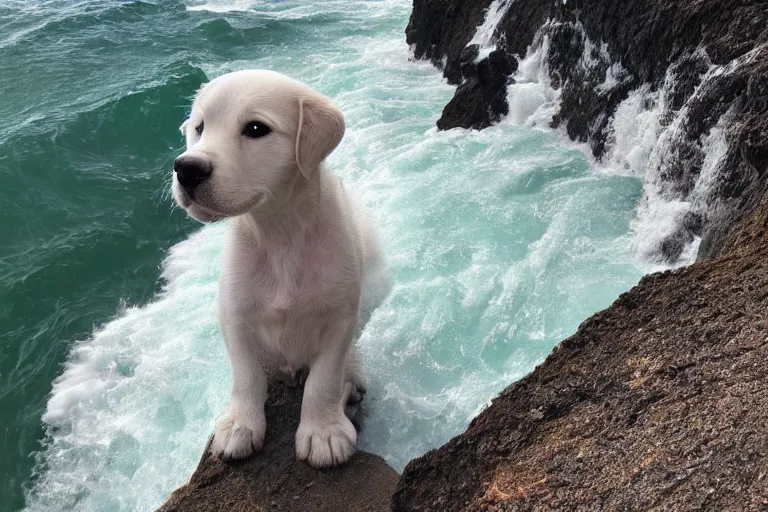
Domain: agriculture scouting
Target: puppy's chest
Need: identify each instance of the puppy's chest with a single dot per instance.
(293, 282)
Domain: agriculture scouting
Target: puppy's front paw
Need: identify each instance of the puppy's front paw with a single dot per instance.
(237, 436)
(324, 445)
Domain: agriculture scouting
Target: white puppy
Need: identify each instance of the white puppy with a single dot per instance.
(294, 259)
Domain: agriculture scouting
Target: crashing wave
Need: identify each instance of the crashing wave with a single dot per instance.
(676, 132)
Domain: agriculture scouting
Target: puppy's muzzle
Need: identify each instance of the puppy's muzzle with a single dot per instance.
(192, 171)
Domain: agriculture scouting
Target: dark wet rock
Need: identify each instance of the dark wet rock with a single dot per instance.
(274, 481)
(501, 64)
(467, 64)
(659, 402)
(439, 29)
(685, 77)
(598, 52)
(481, 99)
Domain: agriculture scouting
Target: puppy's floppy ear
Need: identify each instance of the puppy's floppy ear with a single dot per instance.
(321, 127)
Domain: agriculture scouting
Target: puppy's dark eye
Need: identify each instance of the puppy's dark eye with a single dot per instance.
(255, 129)
(199, 128)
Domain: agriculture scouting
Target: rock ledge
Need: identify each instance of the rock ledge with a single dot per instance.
(274, 481)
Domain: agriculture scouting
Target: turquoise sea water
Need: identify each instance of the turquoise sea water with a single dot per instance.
(499, 242)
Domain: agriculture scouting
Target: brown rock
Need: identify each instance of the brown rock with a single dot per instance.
(659, 402)
(273, 480)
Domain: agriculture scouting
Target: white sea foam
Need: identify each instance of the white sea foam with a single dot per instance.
(615, 76)
(220, 7)
(485, 34)
(715, 147)
(634, 131)
(638, 143)
(124, 396)
(532, 100)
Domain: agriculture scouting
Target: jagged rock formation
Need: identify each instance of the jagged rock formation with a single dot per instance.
(481, 98)
(700, 63)
(274, 481)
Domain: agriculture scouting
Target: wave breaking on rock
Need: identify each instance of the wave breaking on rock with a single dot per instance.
(673, 93)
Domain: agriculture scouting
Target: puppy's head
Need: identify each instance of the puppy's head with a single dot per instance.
(251, 137)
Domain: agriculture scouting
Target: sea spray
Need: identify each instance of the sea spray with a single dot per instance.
(485, 35)
(645, 135)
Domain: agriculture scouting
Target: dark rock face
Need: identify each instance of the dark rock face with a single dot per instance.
(439, 29)
(273, 480)
(658, 403)
(481, 99)
(440, 32)
(597, 53)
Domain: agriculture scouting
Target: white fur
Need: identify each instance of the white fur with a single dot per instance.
(294, 259)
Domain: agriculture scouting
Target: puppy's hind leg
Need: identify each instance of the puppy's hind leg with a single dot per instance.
(240, 431)
(355, 384)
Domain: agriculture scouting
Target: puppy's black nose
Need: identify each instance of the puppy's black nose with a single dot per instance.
(191, 171)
